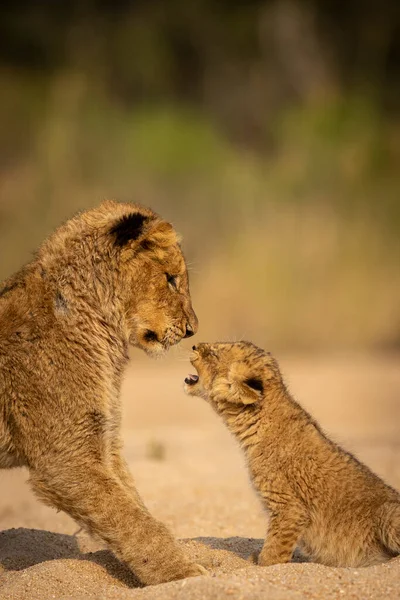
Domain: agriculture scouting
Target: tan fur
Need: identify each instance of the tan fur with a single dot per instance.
(100, 282)
(317, 495)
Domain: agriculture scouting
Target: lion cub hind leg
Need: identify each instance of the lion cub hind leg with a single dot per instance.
(284, 531)
(104, 506)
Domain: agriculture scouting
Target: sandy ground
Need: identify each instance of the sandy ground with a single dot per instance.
(192, 476)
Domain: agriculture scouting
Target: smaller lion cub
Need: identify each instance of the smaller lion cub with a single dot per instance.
(319, 497)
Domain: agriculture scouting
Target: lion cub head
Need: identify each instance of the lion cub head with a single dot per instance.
(154, 273)
(128, 266)
(231, 375)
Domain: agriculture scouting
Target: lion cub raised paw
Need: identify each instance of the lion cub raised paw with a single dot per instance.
(318, 496)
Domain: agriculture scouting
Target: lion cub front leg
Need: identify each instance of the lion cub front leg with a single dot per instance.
(284, 531)
(120, 469)
(106, 508)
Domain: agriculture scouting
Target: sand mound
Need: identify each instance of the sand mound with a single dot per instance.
(40, 565)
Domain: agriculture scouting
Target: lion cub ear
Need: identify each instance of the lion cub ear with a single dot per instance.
(129, 228)
(150, 233)
(247, 386)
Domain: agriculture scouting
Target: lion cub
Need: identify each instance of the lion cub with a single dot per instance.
(110, 277)
(318, 496)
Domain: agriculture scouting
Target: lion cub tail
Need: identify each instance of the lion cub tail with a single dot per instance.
(389, 526)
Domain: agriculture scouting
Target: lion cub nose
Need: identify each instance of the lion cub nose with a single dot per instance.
(189, 331)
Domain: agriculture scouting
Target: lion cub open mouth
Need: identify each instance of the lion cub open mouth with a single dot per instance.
(193, 378)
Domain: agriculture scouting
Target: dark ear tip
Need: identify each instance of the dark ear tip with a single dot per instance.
(254, 383)
(128, 228)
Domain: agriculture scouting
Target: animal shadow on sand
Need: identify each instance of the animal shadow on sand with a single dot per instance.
(244, 550)
(23, 548)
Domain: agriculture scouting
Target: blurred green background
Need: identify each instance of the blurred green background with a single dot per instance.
(268, 132)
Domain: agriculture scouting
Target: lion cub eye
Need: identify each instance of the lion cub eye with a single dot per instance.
(172, 281)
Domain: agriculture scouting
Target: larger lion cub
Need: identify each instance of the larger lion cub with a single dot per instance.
(318, 496)
(108, 278)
